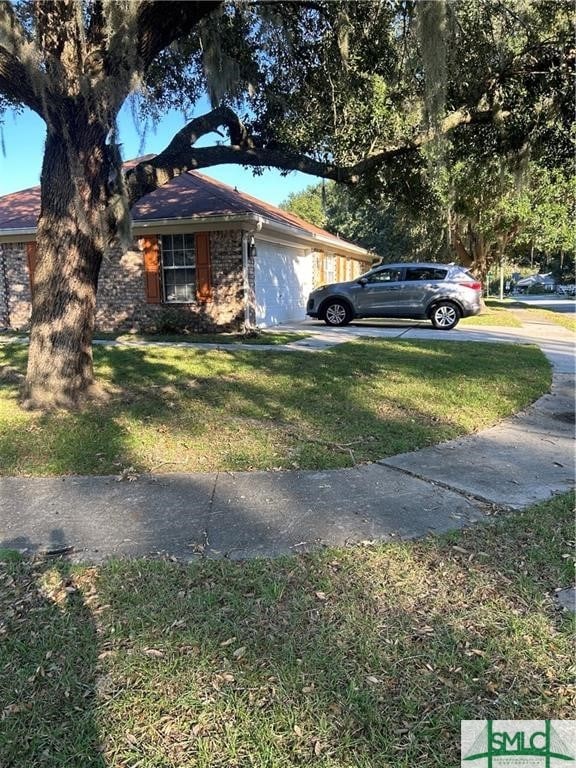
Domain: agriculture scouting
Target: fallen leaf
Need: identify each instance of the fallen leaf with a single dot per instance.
(321, 596)
(239, 652)
(225, 643)
(154, 652)
(128, 474)
(297, 730)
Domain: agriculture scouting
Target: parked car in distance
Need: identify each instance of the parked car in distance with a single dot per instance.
(442, 293)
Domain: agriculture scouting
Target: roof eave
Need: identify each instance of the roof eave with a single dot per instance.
(199, 223)
(316, 239)
(17, 235)
(206, 223)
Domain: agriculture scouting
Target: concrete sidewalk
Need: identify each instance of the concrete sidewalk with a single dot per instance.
(522, 460)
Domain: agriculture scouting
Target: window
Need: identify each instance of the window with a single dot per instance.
(425, 273)
(178, 254)
(386, 276)
(330, 269)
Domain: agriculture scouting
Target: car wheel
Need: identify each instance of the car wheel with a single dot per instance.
(337, 313)
(445, 316)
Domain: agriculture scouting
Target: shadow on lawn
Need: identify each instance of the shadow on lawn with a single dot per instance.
(287, 397)
(362, 657)
(48, 664)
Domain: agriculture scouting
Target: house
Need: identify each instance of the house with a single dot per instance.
(205, 257)
(545, 283)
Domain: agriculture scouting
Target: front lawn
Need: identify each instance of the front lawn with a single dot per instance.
(273, 338)
(366, 657)
(565, 319)
(493, 316)
(201, 410)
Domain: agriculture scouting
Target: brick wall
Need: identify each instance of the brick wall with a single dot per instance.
(343, 268)
(4, 310)
(14, 286)
(122, 301)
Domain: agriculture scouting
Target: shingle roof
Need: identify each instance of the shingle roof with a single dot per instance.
(189, 196)
(20, 210)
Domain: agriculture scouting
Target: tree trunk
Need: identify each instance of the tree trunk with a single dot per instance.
(70, 242)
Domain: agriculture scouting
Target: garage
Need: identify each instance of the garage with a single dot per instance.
(283, 280)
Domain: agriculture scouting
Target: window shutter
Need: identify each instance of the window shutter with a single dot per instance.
(203, 267)
(151, 248)
(31, 258)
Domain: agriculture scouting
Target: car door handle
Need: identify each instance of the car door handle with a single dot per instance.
(432, 285)
(395, 288)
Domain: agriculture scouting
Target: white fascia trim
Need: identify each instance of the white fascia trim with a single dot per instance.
(310, 239)
(251, 221)
(254, 222)
(24, 235)
(197, 223)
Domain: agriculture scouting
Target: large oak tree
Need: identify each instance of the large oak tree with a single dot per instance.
(349, 91)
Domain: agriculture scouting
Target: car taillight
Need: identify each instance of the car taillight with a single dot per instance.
(476, 286)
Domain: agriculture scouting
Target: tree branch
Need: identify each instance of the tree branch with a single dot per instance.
(180, 155)
(17, 62)
(161, 23)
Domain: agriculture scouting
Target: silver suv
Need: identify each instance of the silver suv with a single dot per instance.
(442, 293)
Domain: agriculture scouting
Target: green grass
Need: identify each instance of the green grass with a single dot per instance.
(493, 316)
(274, 338)
(199, 410)
(565, 319)
(366, 657)
(174, 409)
(260, 337)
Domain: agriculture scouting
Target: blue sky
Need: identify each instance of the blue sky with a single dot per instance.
(24, 143)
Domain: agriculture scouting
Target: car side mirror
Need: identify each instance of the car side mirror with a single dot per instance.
(362, 281)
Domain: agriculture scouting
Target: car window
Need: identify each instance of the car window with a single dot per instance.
(425, 273)
(390, 275)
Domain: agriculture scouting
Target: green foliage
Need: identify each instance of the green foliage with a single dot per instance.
(548, 211)
(389, 228)
(309, 204)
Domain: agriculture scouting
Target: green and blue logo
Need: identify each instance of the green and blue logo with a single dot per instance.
(518, 743)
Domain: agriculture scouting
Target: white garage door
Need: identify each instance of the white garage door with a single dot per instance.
(283, 281)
